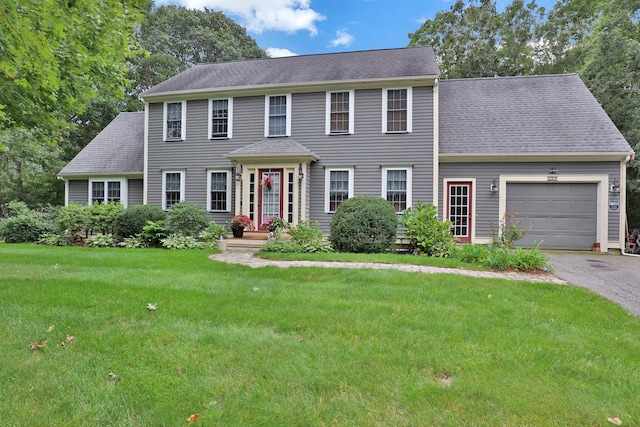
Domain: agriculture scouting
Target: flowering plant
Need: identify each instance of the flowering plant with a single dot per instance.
(239, 222)
(274, 224)
(268, 182)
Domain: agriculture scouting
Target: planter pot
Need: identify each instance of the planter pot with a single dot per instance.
(222, 245)
(237, 232)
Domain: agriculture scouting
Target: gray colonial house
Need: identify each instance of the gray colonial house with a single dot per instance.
(296, 136)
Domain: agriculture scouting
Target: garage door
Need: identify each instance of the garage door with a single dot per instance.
(562, 215)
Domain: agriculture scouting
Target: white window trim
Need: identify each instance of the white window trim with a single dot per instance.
(228, 174)
(183, 127)
(351, 112)
(267, 100)
(229, 118)
(409, 171)
(123, 189)
(164, 186)
(385, 95)
(327, 176)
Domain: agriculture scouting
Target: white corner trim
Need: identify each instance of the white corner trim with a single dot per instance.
(436, 141)
(145, 171)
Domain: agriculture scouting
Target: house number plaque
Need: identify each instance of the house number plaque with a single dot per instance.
(552, 178)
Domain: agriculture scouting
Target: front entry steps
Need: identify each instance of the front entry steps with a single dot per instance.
(252, 240)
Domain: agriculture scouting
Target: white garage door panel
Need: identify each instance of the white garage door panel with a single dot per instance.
(562, 215)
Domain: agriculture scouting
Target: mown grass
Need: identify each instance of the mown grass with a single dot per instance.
(301, 346)
(378, 258)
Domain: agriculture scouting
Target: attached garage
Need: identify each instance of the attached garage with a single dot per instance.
(562, 215)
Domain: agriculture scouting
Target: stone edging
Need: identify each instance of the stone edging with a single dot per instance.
(247, 258)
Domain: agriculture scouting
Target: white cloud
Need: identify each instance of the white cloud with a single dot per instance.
(262, 15)
(276, 52)
(342, 39)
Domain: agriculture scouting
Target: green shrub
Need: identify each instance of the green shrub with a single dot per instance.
(474, 254)
(154, 232)
(212, 233)
(364, 224)
(102, 217)
(74, 219)
(24, 225)
(187, 218)
(426, 233)
(25, 228)
(16, 208)
(504, 259)
(131, 221)
(101, 241)
(55, 239)
(180, 241)
(509, 231)
(134, 242)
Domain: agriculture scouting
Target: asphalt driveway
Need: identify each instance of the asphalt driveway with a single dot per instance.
(615, 277)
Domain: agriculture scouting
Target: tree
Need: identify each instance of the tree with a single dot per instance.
(474, 40)
(56, 56)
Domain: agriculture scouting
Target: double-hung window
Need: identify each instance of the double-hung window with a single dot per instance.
(396, 187)
(340, 112)
(220, 118)
(338, 187)
(106, 190)
(219, 194)
(175, 114)
(278, 115)
(172, 188)
(397, 110)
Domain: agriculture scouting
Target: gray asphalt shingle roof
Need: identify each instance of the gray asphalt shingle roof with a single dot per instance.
(345, 66)
(118, 149)
(273, 147)
(520, 115)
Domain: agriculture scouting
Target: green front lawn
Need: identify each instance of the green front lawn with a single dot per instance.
(301, 346)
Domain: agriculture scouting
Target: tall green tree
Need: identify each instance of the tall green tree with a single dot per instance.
(473, 39)
(57, 55)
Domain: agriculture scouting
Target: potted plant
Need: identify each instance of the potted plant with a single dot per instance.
(238, 223)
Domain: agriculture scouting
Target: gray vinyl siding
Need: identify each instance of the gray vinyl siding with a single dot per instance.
(368, 150)
(134, 190)
(79, 191)
(486, 203)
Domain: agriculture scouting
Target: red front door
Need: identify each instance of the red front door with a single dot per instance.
(459, 209)
(270, 186)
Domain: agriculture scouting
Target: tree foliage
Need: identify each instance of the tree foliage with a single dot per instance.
(599, 39)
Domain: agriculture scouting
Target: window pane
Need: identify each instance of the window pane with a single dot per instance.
(397, 188)
(97, 192)
(397, 110)
(338, 188)
(219, 117)
(172, 188)
(339, 112)
(174, 120)
(277, 115)
(113, 191)
(218, 191)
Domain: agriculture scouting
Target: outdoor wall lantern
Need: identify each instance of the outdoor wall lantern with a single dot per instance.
(615, 188)
(300, 173)
(553, 171)
(494, 186)
(239, 173)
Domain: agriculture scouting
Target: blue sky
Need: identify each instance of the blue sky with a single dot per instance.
(285, 27)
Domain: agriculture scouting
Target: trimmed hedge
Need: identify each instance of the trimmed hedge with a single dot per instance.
(364, 224)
